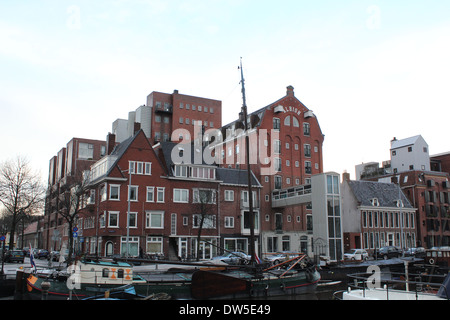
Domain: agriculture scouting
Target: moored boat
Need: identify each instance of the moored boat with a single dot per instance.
(395, 287)
(81, 280)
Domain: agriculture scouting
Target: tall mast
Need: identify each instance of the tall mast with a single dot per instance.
(249, 172)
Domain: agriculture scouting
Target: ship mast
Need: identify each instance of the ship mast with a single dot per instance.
(243, 116)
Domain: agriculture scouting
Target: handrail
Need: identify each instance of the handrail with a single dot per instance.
(360, 282)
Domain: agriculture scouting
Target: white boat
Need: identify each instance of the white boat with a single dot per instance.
(364, 288)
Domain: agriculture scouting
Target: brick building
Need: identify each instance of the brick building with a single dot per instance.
(164, 207)
(425, 183)
(65, 169)
(285, 152)
(170, 117)
(167, 202)
(376, 214)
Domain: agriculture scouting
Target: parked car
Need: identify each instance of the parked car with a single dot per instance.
(388, 252)
(277, 258)
(236, 257)
(356, 254)
(41, 253)
(14, 256)
(416, 252)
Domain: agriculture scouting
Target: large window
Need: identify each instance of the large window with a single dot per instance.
(154, 219)
(181, 195)
(207, 196)
(85, 151)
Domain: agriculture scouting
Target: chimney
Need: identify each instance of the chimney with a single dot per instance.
(345, 176)
(110, 143)
(137, 127)
(290, 91)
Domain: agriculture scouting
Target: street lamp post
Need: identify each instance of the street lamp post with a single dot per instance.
(128, 212)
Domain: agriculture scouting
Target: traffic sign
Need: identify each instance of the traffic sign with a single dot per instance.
(75, 234)
(2, 238)
(75, 229)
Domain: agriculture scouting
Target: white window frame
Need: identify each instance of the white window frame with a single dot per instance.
(149, 221)
(159, 191)
(181, 195)
(118, 192)
(113, 213)
(229, 195)
(129, 193)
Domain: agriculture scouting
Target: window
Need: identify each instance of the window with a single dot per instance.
(277, 146)
(131, 167)
(203, 173)
(137, 167)
(154, 219)
(160, 194)
(154, 244)
(148, 168)
(229, 195)
(181, 195)
(209, 221)
(133, 193)
(103, 193)
(278, 182)
(277, 164)
(229, 222)
(204, 196)
(276, 124)
(308, 169)
(113, 219)
(85, 151)
(132, 216)
(307, 149)
(306, 129)
(287, 121)
(295, 122)
(150, 194)
(114, 191)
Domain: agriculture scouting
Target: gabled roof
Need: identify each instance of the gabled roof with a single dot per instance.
(386, 193)
(405, 142)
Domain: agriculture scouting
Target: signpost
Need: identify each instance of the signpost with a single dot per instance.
(3, 239)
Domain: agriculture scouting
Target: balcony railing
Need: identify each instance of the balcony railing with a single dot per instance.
(291, 196)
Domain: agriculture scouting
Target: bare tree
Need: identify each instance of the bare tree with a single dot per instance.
(21, 192)
(70, 201)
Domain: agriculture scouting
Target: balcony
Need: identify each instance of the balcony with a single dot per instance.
(291, 196)
(163, 108)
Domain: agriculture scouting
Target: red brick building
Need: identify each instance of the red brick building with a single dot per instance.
(65, 169)
(285, 151)
(166, 205)
(165, 209)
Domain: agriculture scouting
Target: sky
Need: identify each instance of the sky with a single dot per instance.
(369, 70)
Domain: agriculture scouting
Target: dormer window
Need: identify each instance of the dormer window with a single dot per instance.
(399, 203)
(374, 202)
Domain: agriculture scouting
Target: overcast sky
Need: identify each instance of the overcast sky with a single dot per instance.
(370, 70)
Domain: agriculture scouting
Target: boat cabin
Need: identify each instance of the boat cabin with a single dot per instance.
(440, 257)
(105, 272)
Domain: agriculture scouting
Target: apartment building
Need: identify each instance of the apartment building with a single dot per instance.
(376, 214)
(65, 169)
(170, 205)
(285, 153)
(424, 182)
(170, 117)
